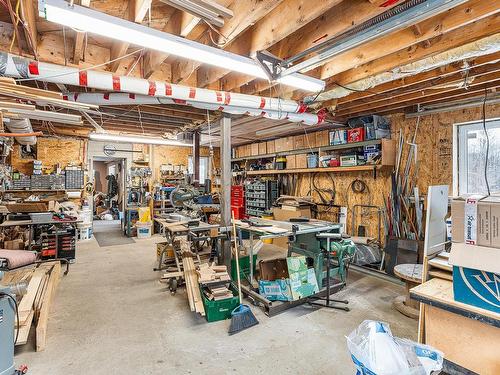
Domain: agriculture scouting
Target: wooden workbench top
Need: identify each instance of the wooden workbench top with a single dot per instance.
(439, 293)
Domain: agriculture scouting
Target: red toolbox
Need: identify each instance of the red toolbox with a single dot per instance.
(355, 135)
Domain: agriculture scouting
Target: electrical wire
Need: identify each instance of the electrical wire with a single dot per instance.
(17, 313)
(81, 70)
(487, 143)
(354, 90)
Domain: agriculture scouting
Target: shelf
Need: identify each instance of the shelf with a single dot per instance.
(361, 168)
(312, 149)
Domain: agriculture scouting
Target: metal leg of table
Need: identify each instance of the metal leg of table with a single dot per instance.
(251, 259)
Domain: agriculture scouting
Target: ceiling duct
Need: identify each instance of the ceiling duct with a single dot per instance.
(21, 126)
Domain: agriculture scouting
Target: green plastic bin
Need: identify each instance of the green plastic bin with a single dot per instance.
(244, 267)
(220, 310)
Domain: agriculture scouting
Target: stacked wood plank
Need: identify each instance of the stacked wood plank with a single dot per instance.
(215, 280)
(34, 306)
(191, 278)
(440, 268)
(10, 107)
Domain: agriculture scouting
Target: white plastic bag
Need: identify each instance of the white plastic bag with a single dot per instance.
(375, 351)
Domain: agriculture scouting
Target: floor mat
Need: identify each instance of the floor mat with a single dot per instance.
(112, 238)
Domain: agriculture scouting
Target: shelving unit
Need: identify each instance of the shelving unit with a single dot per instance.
(312, 149)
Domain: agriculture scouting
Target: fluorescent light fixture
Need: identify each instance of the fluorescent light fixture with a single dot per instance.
(136, 139)
(85, 19)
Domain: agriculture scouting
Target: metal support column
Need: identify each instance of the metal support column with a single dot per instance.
(225, 191)
(196, 158)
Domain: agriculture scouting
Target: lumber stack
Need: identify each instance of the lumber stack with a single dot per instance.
(191, 278)
(10, 106)
(215, 281)
(439, 266)
(34, 306)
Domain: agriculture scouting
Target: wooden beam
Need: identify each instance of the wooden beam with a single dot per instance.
(333, 22)
(188, 23)
(283, 20)
(456, 38)
(417, 94)
(454, 19)
(29, 18)
(422, 87)
(247, 13)
(137, 12)
(438, 97)
(423, 77)
(79, 39)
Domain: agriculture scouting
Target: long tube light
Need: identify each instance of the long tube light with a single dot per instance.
(136, 139)
(85, 19)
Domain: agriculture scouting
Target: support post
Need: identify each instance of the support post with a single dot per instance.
(196, 159)
(225, 195)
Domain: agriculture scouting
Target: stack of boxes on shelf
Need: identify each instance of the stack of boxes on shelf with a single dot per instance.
(475, 252)
(238, 201)
(317, 150)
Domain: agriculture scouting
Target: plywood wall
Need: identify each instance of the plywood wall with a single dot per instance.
(51, 151)
(435, 145)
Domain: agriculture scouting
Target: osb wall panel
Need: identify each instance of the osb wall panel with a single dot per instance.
(435, 144)
(51, 151)
(177, 156)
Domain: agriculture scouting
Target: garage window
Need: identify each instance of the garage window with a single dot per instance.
(203, 168)
(470, 157)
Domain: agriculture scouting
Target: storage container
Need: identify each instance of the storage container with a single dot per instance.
(41, 217)
(143, 229)
(312, 161)
(220, 310)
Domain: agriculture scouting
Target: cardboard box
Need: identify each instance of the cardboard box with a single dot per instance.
(476, 275)
(285, 215)
(17, 244)
(303, 281)
(301, 161)
(270, 147)
(338, 137)
(475, 220)
(322, 138)
(351, 160)
(388, 152)
(254, 149)
(262, 148)
(279, 145)
(290, 162)
(274, 280)
(300, 142)
(289, 143)
(355, 135)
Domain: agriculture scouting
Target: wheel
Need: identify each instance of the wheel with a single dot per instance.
(172, 285)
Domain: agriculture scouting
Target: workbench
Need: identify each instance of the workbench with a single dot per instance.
(31, 225)
(468, 336)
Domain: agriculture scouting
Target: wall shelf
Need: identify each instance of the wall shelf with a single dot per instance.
(360, 168)
(312, 149)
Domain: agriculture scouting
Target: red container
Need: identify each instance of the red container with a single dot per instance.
(238, 212)
(334, 163)
(355, 135)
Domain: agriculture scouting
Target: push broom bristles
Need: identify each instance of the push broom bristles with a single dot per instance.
(242, 318)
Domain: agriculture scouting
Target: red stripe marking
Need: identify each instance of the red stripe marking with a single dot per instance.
(168, 89)
(388, 3)
(262, 103)
(65, 97)
(82, 76)
(106, 96)
(116, 83)
(33, 68)
(219, 96)
(179, 101)
(192, 93)
(131, 96)
(152, 88)
(302, 108)
(227, 99)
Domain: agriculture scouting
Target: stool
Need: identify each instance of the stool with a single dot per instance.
(411, 274)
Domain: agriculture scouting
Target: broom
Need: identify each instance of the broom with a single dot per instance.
(241, 317)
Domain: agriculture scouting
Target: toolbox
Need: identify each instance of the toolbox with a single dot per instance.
(355, 135)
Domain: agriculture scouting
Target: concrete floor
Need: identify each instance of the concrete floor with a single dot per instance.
(112, 316)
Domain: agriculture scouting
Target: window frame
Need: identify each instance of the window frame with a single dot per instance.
(190, 163)
(460, 143)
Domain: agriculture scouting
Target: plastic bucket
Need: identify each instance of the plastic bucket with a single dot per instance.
(312, 161)
(143, 229)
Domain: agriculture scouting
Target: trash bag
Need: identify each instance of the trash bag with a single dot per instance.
(375, 351)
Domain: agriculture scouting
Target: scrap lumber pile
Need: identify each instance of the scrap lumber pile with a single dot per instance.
(215, 281)
(191, 278)
(12, 94)
(34, 306)
(440, 267)
(403, 206)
